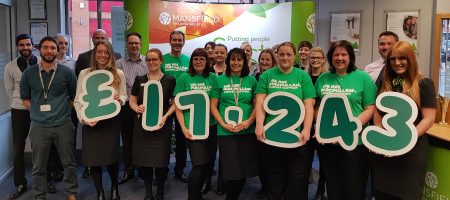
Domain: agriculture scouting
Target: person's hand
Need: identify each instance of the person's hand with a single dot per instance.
(187, 133)
(260, 133)
(242, 126)
(304, 137)
(140, 109)
(163, 121)
(91, 123)
(229, 128)
(117, 97)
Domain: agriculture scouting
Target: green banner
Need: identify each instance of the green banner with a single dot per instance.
(437, 178)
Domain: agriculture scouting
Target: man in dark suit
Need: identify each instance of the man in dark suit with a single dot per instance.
(84, 59)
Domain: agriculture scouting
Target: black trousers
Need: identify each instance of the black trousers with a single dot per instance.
(20, 121)
(180, 149)
(345, 171)
(127, 120)
(287, 171)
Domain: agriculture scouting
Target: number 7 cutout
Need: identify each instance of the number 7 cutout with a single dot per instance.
(335, 122)
(196, 102)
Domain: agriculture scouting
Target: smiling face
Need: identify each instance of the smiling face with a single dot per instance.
(340, 60)
(384, 45)
(304, 52)
(316, 59)
(153, 62)
(63, 44)
(199, 63)
(48, 51)
(176, 42)
(286, 57)
(25, 48)
(102, 56)
(220, 53)
(236, 64)
(133, 45)
(210, 50)
(248, 51)
(399, 63)
(265, 61)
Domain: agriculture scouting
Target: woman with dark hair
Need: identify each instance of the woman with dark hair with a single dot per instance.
(101, 139)
(287, 169)
(304, 48)
(201, 152)
(346, 171)
(209, 47)
(237, 142)
(266, 60)
(403, 177)
(151, 149)
(220, 53)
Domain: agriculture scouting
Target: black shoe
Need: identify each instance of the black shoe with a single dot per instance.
(86, 173)
(261, 194)
(115, 193)
(206, 187)
(127, 176)
(101, 196)
(318, 196)
(18, 191)
(50, 187)
(58, 175)
(148, 196)
(181, 177)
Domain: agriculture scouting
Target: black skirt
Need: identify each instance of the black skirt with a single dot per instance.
(151, 148)
(238, 156)
(402, 176)
(202, 151)
(101, 142)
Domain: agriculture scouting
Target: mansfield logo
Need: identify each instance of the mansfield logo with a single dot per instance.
(431, 180)
(310, 23)
(165, 18)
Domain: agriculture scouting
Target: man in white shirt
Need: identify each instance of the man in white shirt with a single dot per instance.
(386, 40)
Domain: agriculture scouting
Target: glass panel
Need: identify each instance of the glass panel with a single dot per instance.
(444, 70)
(5, 54)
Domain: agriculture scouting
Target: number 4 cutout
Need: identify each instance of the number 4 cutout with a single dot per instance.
(336, 123)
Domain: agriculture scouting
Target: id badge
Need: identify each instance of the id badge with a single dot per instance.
(46, 108)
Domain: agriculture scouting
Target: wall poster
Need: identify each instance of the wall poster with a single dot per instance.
(404, 24)
(346, 26)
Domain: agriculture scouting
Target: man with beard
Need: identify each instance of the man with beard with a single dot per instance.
(175, 64)
(47, 89)
(20, 116)
(132, 65)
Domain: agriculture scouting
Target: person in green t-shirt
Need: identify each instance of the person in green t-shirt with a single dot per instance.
(175, 63)
(201, 152)
(287, 169)
(346, 171)
(237, 141)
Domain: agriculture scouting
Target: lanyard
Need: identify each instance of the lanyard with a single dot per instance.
(236, 95)
(49, 83)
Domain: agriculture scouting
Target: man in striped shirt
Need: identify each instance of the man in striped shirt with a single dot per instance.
(133, 64)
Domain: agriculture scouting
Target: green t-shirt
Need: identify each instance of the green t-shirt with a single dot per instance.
(187, 82)
(224, 92)
(296, 82)
(175, 66)
(357, 86)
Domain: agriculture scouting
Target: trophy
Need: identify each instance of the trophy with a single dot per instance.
(444, 106)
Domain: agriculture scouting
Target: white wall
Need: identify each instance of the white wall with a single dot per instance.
(442, 6)
(373, 22)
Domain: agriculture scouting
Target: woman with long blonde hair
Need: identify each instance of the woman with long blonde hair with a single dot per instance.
(402, 177)
(101, 139)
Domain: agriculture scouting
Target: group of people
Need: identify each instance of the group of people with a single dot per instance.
(43, 88)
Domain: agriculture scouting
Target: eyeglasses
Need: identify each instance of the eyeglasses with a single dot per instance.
(199, 59)
(152, 60)
(315, 58)
(133, 43)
